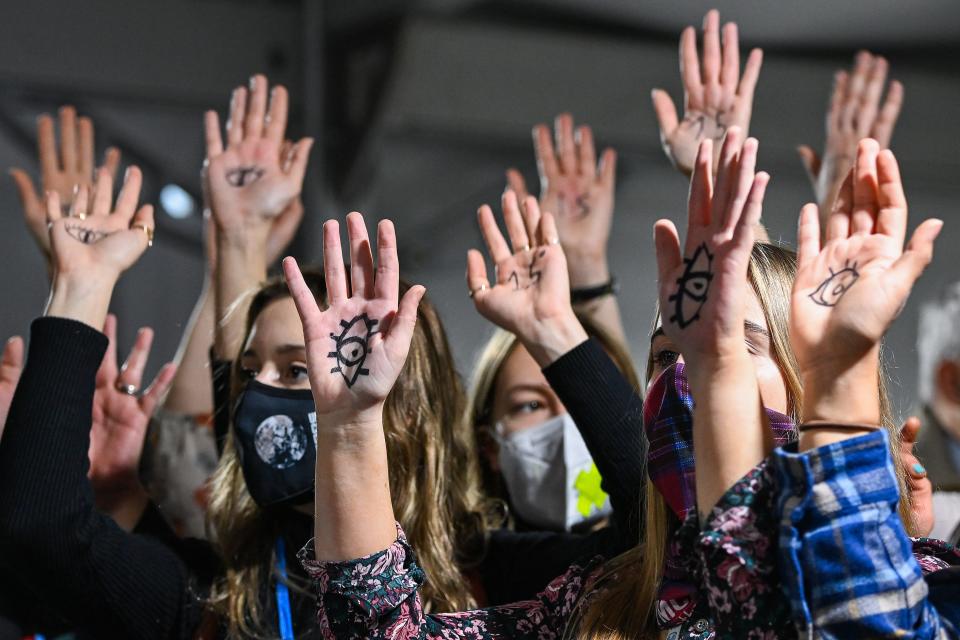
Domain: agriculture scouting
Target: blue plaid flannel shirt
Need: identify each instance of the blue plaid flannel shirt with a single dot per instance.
(845, 560)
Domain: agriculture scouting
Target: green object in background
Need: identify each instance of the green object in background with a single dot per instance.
(590, 496)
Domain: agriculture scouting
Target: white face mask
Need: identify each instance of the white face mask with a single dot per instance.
(552, 480)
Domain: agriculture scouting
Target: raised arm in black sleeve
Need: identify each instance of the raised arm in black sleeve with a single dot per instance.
(106, 582)
(609, 413)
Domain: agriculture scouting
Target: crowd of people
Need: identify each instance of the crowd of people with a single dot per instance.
(312, 465)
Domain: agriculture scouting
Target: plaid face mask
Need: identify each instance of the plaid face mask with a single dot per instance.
(668, 423)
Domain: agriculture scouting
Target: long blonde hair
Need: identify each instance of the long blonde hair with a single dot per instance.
(621, 608)
(434, 481)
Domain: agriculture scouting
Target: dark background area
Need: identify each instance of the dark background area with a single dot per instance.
(419, 107)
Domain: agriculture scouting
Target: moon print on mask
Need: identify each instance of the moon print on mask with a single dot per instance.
(830, 291)
(280, 443)
(692, 287)
(352, 346)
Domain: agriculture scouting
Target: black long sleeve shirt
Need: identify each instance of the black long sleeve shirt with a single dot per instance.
(608, 412)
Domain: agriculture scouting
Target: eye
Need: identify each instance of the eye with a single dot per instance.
(522, 408)
(248, 374)
(665, 358)
(830, 291)
(297, 373)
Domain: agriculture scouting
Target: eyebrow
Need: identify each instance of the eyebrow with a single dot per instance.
(748, 326)
(281, 350)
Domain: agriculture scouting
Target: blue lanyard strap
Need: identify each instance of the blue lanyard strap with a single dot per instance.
(283, 593)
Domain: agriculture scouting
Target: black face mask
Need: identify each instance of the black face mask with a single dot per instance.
(276, 436)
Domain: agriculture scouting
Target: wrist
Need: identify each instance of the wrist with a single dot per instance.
(351, 426)
(708, 372)
(844, 394)
(586, 269)
(85, 298)
(553, 338)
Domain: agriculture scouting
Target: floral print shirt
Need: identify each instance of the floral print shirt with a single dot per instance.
(732, 557)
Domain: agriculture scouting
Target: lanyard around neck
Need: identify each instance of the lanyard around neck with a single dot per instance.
(283, 593)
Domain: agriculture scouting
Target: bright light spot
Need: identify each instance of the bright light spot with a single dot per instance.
(176, 202)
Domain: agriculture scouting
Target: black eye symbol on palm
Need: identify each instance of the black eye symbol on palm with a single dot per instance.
(830, 291)
(692, 287)
(352, 346)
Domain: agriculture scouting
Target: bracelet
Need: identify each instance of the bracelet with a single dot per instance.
(586, 294)
(838, 426)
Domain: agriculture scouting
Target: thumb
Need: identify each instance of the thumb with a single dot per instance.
(28, 194)
(810, 160)
(400, 333)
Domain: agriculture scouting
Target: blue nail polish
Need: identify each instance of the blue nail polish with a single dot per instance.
(918, 469)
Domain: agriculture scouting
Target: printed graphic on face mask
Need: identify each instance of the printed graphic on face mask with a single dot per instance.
(279, 442)
(590, 497)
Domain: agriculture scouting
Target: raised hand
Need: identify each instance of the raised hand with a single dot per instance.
(93, 239)
(531, 293)
(121, 414)
(921, 489)
(357, 346)
(60, 172)
(254, 183)
(579, 192)
(716, 97)
(703, 289)
(855, 113)
(849, 289)
(11, 364)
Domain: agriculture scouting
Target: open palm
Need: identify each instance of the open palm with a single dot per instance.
(357, 346)
(531, 285)
(573, 186)
(92, 239)
(61, 172)
(715, 96)
(848, 292)
(120, 419)
(258, 176)
(703, 290)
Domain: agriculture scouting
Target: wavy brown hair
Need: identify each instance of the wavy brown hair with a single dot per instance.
(434, 480)
(621, 607)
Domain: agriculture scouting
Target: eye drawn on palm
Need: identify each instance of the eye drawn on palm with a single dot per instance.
(256, 181)
(716, 97)
(573, 186)
(91, 238)
(357, 346)
(848, 292)
(61, 171)
(531, 284)
(120, 419)
(703, 290)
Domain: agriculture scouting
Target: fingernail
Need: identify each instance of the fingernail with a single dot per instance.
(126, 174)
(918, 469)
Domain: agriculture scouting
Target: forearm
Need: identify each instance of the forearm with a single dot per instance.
(604, 311)
(241, 268)
(730, 436)
(608, 412)
(50, 532)
(353, 510)
(190, 393)
(842, 543)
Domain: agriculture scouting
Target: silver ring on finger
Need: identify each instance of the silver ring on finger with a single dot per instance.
(128, 389)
